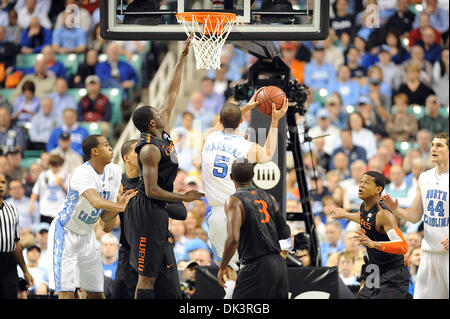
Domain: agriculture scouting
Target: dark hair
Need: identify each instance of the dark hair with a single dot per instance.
(28, 86)
(187, 113)
(380, 180)
(126, 147)
(442, 135)
(360, 116)
(141, 117)
(242, 170)
(230, 114)
(88, 144)
(55, 160)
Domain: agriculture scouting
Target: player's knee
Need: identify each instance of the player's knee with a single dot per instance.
(146, 282)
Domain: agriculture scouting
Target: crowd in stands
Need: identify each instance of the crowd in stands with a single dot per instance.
(378, 96)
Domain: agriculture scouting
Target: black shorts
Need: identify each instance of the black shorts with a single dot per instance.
(9, 280)
(265, 277)
(146, 233)
(126, 276)
(393, 284)
(167, 285)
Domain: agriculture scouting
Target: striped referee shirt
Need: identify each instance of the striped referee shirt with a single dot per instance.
(9, 227)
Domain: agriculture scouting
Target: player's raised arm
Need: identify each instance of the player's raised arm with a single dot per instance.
(150, 156)
(174, 86)
(413, 214)
(265, 154)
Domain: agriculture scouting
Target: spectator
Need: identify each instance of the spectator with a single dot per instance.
(79, 16)
(426, 68)
(334, 242)
(185, 153)
(302, 247)
(50, 189)
(39, 273)
(4, 169)
(423, 139)
(10, 135)
(95, 106)
(41, 232)
(95, 40)
(398, 189)
(114, 73)
(325, 128)
(341, 164)
(414, 262)
(212, 101)
(430, 46)
(67, 38)
(333, 54)
(357, 72)
(70, 125)
(26, 105)
(402, 20)
(13, 30)
(323, 159)
(385, 156)
(14, 157)
(415, 89)
(192, 245)
(71, 158)
(198, 110)
(33, 173)
(61, 99)
(440, 77)
(42, 6)
(414, 240)
(348, 89)
(177, 229)
(372, 119)
(351, 247)
(433, 121)
(222, 85)
(317, 191)
(401, 126)
(417, 34)
(346, 261)
(391, 72)
(201, 256)
(342, 22)
(338, 114)
(352, 151)
(389, 144)
(361, 136)
(288, 52)
(351, 185)
(377, 89)
(318, 73)
(438, 16)
(365, 58)
(35, 37)
(86, 68)
(417, 168)
(27, 221)
(7, 50)
(44, 81)
(42, 124)
(54, 66)
(399, 54)
(311, 164)
(110, 249)
(30, 10)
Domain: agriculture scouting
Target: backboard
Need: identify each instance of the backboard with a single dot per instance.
(261, 20)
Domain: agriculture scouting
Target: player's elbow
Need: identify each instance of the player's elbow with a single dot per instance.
(404, 249)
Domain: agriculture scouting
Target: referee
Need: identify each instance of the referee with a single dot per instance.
(10, 250)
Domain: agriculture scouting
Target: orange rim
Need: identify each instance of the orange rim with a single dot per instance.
(201, 17)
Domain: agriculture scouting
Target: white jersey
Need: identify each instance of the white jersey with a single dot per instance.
(78, 214)
(219, 152)
(434, 190)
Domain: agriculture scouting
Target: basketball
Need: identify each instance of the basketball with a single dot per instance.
(269, 95)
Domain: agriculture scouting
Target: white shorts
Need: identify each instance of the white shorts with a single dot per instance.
(76, 261)
(432, 277)
(217, 233)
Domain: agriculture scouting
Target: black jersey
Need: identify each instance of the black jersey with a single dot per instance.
(127, 183)
(262, 227)
(384, 260)
(168, 165)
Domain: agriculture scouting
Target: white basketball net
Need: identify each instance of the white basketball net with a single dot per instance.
(210, 34)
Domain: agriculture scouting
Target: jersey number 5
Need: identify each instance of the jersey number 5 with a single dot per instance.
(263, 210)
(220, 166)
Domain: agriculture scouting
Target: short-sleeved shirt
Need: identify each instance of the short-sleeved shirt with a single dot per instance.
(51, 195)
(78, 214)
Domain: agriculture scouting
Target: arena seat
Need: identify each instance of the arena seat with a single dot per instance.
(443, 110)
(70, 61)
(29, 157)
(417, 111)
(7, 93)
(26, 60)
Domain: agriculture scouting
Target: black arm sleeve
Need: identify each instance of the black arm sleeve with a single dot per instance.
(176, 210)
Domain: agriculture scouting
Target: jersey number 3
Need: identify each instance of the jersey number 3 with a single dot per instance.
(263, 210)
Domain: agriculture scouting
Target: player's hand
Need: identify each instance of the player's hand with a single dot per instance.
(126, 196)
(445, 243)
(362, 239)
(252, 103)
(278, 114)
(187, 44)
(226, 274)
(193, 195)
(29, 279)
(338, 213)
(391, 203)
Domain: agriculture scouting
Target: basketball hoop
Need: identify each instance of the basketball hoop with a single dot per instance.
(211, 30)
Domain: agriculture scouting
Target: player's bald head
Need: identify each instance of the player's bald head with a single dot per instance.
(242, 171)
(230, 115)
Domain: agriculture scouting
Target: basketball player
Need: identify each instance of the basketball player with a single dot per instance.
(383, 239)
(431, 202)
(146, 217)
(223, 147)
(254, 227)
(93, 191)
